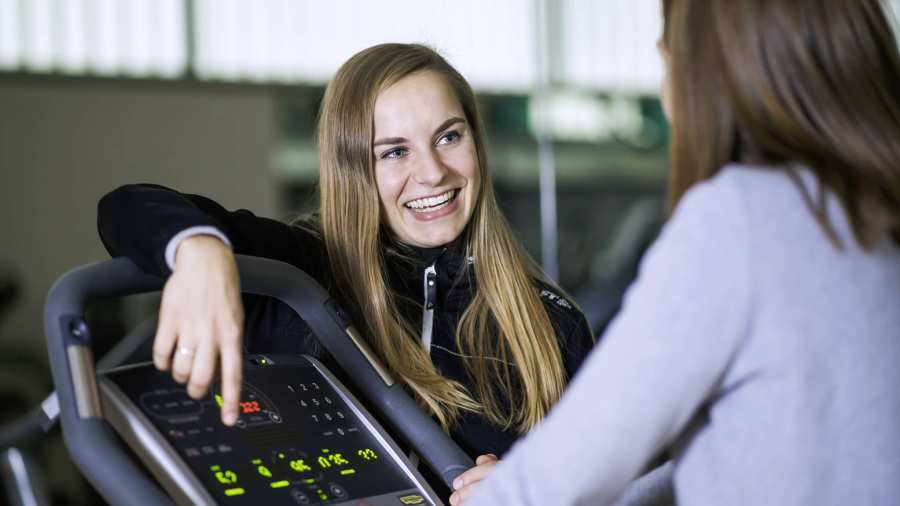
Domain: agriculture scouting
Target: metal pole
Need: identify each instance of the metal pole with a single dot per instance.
(546, 160)
(190, 39)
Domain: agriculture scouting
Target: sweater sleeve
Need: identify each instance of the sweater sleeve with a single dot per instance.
(661, 359)
(138, 221)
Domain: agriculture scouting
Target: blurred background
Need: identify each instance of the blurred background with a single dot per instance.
(220, 97)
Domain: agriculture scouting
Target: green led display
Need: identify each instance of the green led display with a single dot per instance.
(328, 459)
(300, 466)
(367, 453)
(331, 459)
(261, 468)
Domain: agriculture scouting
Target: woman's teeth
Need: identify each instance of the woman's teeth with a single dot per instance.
(430, 204)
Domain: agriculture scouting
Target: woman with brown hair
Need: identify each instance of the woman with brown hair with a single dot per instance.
(409, 239)
(761, 341)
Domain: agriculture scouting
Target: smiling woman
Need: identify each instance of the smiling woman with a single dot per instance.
(409, 236)
(426, 167)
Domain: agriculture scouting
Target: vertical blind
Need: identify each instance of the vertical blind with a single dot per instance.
(140, 38)
(605, 45)
(284, 40)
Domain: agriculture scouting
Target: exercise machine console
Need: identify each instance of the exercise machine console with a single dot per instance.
(301, 437)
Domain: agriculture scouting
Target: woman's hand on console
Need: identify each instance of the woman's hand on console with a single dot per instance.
(201, 319)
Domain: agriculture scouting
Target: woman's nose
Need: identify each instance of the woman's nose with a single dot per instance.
(430, 171)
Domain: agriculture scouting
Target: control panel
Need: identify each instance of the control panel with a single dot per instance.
(300, 437)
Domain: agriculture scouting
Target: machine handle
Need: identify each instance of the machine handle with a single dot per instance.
(91, 443)
(93, 446)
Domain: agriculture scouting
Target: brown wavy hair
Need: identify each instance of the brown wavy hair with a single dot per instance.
(780, 83)
(505, 334)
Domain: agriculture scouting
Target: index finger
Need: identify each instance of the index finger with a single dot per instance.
(231, 383)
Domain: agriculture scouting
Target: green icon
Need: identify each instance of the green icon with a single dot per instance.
(279, 484)
(324, 463)
(219, 400)
(261, 469)
(234, 491)
(226, 477)
(299, 465)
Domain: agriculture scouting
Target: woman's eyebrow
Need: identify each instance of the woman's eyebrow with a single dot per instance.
(389, 140)
(400, 140)
(446, 124)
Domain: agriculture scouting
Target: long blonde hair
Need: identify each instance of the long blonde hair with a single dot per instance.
(505, 334)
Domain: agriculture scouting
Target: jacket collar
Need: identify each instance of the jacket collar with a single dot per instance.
(455, 277)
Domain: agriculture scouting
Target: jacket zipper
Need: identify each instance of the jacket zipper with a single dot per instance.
(429, 285)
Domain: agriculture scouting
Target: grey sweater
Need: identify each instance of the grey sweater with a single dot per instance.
(766, 358)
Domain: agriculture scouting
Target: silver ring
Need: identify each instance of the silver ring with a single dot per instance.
(185, 350)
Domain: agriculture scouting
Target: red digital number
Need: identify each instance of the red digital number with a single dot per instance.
(250, 407)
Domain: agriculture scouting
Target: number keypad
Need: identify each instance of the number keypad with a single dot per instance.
(323, 408)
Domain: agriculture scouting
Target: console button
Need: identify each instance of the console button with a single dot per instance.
(337, 490)
(299, 497)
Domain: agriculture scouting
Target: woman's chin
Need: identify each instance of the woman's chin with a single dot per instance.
(432, 240)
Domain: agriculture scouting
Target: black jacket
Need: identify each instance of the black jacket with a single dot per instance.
(138, 221)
